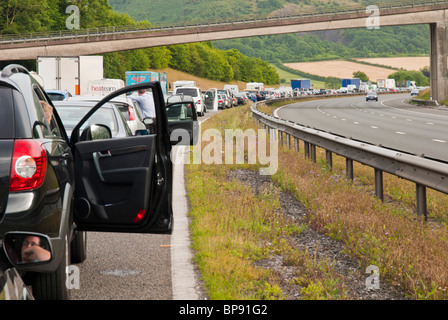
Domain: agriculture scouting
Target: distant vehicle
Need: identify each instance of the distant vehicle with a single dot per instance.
(183, 83)
(228, 95)
(241, 97)
(232, 87)
(196, 94)
(70, 73)
(302, 84)
(415, 92)
(102, 87)
(223, 101)
(372, 95)
(58, 95)
(211, 99)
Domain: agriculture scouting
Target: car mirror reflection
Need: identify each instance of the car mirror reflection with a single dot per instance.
(24, 248)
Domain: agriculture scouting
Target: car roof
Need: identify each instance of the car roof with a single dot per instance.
(81, 103)
(97, 98)
(56, 91)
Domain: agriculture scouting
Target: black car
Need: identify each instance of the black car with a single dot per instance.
(63, 186)
(372, 95)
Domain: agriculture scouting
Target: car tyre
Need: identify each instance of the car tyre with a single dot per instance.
(78, 250)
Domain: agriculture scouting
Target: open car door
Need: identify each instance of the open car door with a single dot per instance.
(183, 123)
(123, 184)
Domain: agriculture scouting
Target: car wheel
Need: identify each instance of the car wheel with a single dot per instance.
(78, 248)
(52, 286)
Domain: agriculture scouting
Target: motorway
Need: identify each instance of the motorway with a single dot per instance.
(391, 122)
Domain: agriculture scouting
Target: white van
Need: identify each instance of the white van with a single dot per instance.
(196, 94)
(102, 87)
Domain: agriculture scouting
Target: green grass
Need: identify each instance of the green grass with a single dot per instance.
(233, 228)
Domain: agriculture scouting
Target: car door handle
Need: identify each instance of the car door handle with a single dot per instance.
(96, 160)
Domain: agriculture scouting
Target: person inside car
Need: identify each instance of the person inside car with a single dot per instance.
(31, 250)
(47, 109)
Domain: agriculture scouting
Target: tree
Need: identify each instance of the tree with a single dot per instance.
(361, 75)
(409, 75)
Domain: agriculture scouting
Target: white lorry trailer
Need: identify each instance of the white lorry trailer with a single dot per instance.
(70, 73)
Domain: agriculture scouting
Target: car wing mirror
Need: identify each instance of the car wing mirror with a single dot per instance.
(96, 132)
(24, 248)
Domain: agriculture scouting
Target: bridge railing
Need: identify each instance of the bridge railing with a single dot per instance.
(248, 19)
(424, 172)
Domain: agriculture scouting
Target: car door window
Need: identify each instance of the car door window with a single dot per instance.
(44, 111)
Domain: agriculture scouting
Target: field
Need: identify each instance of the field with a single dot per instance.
(340, 69)
(344, 69)
(407, 63)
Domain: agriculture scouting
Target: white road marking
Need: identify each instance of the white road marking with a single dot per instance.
(438, 140)
(399, 132)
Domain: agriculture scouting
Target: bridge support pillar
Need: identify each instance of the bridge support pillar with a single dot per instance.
(438, 38)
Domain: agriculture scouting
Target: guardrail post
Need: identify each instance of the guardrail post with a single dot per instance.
(329, 157)
(313, 152)
(379, 192)
(288, 140)
(421, 201)
(280, 137)
(307, 150)
(349, 168)
(296, 144)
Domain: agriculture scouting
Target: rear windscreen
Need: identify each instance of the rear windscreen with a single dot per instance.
(187, 92)
(6, 113)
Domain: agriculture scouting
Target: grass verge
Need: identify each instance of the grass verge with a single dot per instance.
(232, 227)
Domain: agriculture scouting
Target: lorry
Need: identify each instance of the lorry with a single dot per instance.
(183, 83)
(232, 87)
(133, 77)
(102, 87)
(353, 81)
(255, 86)
(386, 83)
(301, 84)
(69, 73)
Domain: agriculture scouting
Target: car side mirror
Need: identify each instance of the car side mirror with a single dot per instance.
(24, 248)
(96, 132)
(141, 132)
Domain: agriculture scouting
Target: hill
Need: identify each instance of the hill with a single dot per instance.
(350, 43)
(204, 84)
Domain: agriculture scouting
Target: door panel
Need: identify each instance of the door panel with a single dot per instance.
(113, 183)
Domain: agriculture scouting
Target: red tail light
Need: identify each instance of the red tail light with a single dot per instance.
(131, 112)
(28, 167)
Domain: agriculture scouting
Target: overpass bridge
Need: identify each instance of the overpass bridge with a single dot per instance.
(112, 39)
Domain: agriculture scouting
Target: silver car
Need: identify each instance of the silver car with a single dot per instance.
(130, 109)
